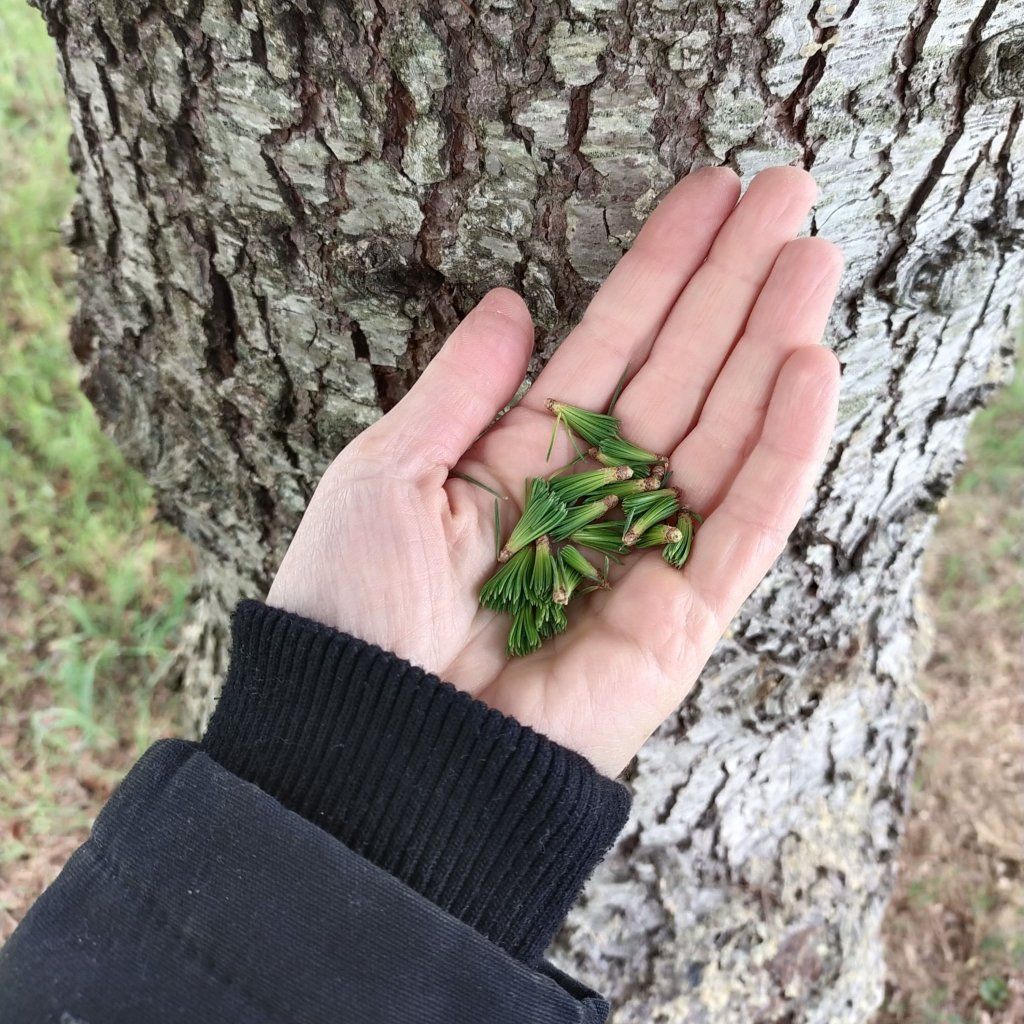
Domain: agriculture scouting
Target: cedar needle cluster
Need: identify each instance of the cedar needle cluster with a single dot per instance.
(542, 565)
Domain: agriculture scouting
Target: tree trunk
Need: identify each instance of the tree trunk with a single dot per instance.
(285, 207)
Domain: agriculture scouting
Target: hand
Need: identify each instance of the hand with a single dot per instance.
(719, 312)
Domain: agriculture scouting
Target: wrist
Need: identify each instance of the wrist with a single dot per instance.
(487, 818)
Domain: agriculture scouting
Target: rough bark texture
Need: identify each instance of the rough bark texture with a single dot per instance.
(286, 206)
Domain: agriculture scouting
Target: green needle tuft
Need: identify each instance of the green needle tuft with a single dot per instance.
(633, 504)
(581, 485)
(676, 554)
(617, 451)
(542, 577)
(579, 563)
(593, 427)
(581, 515)
(649, 509)
(551, 619)
(523, 636)
(566, 581)
(543, 512)
(508, 588)
(659, 535)
(604, 537)
(624, 488)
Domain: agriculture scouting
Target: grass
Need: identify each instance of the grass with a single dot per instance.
(92, 592)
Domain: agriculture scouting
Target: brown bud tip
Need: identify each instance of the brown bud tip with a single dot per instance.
(550, 403)
(630, 537)
(504, 554)
(659, 470)
(610, 500)
(652, 483)
(623, 472)
(593, 451)
(559, 596)
(673, 535)
(544, 542)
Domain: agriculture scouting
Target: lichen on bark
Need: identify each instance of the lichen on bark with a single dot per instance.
(285, 207)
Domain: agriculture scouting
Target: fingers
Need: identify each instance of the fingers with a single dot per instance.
(790, 313)
(661, 404)
(625, 315)
(744, 535)
(677, 618)
(466, 385)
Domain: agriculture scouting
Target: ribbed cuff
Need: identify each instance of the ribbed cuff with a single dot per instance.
(486, 818)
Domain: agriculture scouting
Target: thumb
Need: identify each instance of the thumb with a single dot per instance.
(467, 383)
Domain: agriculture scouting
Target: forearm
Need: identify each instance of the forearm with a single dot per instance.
(403, 846)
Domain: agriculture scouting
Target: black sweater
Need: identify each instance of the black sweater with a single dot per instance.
(353, 840)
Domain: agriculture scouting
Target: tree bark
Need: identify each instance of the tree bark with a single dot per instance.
(285, 207)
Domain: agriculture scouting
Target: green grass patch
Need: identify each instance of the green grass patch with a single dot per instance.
(996, 444)
(92, 591)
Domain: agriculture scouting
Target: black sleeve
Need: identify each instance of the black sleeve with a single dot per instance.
(353, 841)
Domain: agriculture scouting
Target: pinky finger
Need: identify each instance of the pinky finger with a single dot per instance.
(749, 529)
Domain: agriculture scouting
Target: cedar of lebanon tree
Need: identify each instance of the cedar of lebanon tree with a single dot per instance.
(284, 208)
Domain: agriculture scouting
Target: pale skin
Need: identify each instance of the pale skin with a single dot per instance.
(718, 309)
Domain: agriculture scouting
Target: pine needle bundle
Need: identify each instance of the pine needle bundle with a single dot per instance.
(523, 637)
(579, 563)
(593, 427)
(645, 510)
(566, 582)
(634, 485)
(580, 485)
(551, 620)
(605, 537)
(633, 504)
(542, 513)
(580, 515)
(617, 451)
(678, 552)
(507, 588)
(660, 535)
(542, 577)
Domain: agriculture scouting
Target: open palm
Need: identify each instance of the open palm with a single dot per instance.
(718, 311)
